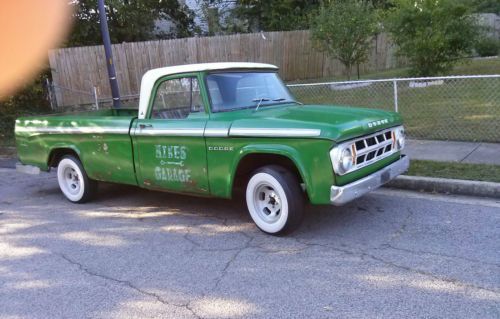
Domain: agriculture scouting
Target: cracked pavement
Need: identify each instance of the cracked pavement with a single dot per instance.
(133, 253)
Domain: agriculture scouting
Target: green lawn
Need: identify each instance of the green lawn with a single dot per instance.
(462, 109)
(477, 172)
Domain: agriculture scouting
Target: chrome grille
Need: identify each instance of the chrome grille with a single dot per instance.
(371, 148)
(357, 153)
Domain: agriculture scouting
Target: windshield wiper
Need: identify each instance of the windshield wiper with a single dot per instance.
(283, 99)
(265, 99)
(260, 100)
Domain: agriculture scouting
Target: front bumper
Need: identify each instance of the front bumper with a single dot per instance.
(340, 195)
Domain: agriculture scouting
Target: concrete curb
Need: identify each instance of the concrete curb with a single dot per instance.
(8, 162)
(446, 186)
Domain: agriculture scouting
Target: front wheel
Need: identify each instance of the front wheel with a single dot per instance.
(275, 200)
(73, 180)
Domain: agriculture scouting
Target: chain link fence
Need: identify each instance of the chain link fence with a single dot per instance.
(81, 100)
(461, 108)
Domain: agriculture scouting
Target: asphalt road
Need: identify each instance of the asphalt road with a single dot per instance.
(134, 254)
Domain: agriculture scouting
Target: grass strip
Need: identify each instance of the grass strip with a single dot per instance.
(476, 172)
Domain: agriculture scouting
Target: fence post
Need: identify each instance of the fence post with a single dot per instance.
(395, 83)
(96, 100)
(50, 94)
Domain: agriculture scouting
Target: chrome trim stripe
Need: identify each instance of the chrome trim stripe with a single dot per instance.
(169, 132)
(275, 132)
(72, 130)
(260, 132)
(216, 132)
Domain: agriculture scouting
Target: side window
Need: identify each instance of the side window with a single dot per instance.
(177, 98)
(215, 94)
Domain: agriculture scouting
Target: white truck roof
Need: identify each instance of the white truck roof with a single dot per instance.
(150, 77)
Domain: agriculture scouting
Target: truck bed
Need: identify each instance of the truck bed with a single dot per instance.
(100, 139)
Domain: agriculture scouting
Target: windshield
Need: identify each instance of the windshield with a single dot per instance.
(239, 90)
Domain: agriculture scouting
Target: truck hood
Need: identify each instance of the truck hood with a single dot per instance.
(337, 123)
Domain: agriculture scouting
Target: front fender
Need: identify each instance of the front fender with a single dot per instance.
(274, 149)
(310, 158)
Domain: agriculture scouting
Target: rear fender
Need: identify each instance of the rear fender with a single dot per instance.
(59, 146)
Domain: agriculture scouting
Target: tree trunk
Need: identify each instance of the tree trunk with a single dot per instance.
(348, 71)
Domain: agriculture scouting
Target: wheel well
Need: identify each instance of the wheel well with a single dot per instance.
(251, 162)
(58, 153)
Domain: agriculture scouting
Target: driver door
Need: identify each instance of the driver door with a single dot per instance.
(171, 151)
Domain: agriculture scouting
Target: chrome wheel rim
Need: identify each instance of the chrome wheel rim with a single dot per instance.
(267, 203)
(72, 180)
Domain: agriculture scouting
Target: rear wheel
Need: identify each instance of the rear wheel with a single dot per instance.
(73, 180)
(275, 200)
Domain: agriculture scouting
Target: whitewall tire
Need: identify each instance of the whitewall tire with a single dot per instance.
(275, 200)
(73, 180)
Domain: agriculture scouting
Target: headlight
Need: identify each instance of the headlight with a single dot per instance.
(399, 135)
(342, 159)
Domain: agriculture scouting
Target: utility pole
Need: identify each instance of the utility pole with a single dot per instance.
(113, 82)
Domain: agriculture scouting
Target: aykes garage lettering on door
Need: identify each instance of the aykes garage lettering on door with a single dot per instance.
(171, 160)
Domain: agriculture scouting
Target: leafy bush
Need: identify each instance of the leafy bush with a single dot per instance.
(432, 35)
(29, 101)
(487, 47)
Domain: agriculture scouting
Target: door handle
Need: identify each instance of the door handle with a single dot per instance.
(143, 126)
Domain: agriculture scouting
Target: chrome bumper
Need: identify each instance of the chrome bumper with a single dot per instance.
(340, 195)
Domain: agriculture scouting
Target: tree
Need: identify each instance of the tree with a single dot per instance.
(486, 6)
(130, 21)
(343, 29)
(432, 34)
(382, 4)
(242, 16)
(218, 17)
(283, 15)
(30, 100)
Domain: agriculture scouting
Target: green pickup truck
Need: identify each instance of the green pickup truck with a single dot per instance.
(213, 129)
